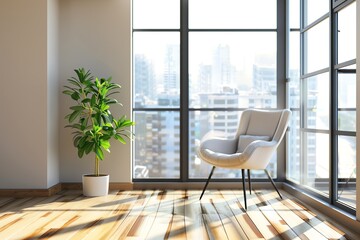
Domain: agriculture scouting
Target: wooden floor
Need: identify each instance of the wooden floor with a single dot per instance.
(162, 215)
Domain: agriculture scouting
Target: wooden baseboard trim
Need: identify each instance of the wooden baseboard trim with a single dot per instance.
(121, 186)
(112, 186)
(18, 193)
(21, 193)
(200, 185)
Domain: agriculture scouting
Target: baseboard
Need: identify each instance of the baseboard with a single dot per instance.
(200, 185)
(18, 193)
(112, 186)
(22, 193)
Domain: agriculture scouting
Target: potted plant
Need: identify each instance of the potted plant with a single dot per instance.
(94, 125)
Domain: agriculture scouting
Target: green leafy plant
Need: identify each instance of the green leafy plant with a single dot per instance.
(91, 118)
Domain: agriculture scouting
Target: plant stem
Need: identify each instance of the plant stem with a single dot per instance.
(97, 166)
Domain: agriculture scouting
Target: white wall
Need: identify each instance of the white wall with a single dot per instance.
(53, 92)
(42, 41)
(23, 94)
(96, 35)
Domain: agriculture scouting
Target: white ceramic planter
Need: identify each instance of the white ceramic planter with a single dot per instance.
(94, 186)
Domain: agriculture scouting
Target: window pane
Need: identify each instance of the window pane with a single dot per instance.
(317, 100)
(314, 9)
(347, 33)
(317, 47)
(294, 51)
(316, 162)
(293, 166)
(347, 101)
(225, 14)
(294, 70)
(157, 144)
(156, 69)
(347, 170)
(238, 64)
(221, 124)
(294, 15)
(156, 14)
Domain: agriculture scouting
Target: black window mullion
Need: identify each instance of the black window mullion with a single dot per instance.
(303, 103)
(333, 108)
(281, 76)
(184, 90)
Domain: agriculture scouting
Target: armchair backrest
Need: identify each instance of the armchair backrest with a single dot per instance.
(271, 123)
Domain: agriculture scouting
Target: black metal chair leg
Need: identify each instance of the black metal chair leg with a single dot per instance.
(272, 182)
(244, 188)
(249, 179)
(207, 182)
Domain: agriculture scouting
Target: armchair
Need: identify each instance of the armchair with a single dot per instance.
(258, 136)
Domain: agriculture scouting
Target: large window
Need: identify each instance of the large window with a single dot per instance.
(197, 64)
(322, 94)
(344, 69)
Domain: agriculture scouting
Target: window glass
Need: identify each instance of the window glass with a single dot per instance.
(156, 14)
(156, 69)
(294, 70)
(293, 166)
(347, 33)
(347, 170)
(347, 101)
(237, 68)
(294, 14)
(157, 144)
(227, 14)
(294, 52)
(314, 9)
(316, 162)
(317, 47)
(317, 102)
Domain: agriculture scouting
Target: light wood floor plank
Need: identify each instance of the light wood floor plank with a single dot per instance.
(321, 226)
(213, 223)
(250, 229)
(177, 228)
(129, 201)
(47, 214)
(256, 216)
(232, 228)
(162, 214)
(23, 215)
(142, 226)
(133, 218)
(194, 221)
(161, 224)
(274, 218)
(113, 211)
(298, 225)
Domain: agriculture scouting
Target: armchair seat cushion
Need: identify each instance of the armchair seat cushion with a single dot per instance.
(245, 140)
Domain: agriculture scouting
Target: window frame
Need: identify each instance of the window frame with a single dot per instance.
(334, 68)
(184, 91)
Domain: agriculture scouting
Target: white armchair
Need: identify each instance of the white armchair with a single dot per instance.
(258, 136)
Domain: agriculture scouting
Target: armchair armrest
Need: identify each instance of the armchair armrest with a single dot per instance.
(255, 156)
(220, 145)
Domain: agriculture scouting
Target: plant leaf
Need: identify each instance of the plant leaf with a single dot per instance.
(105, 144)
(120, 138)
(99, 153)
(74, 115)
